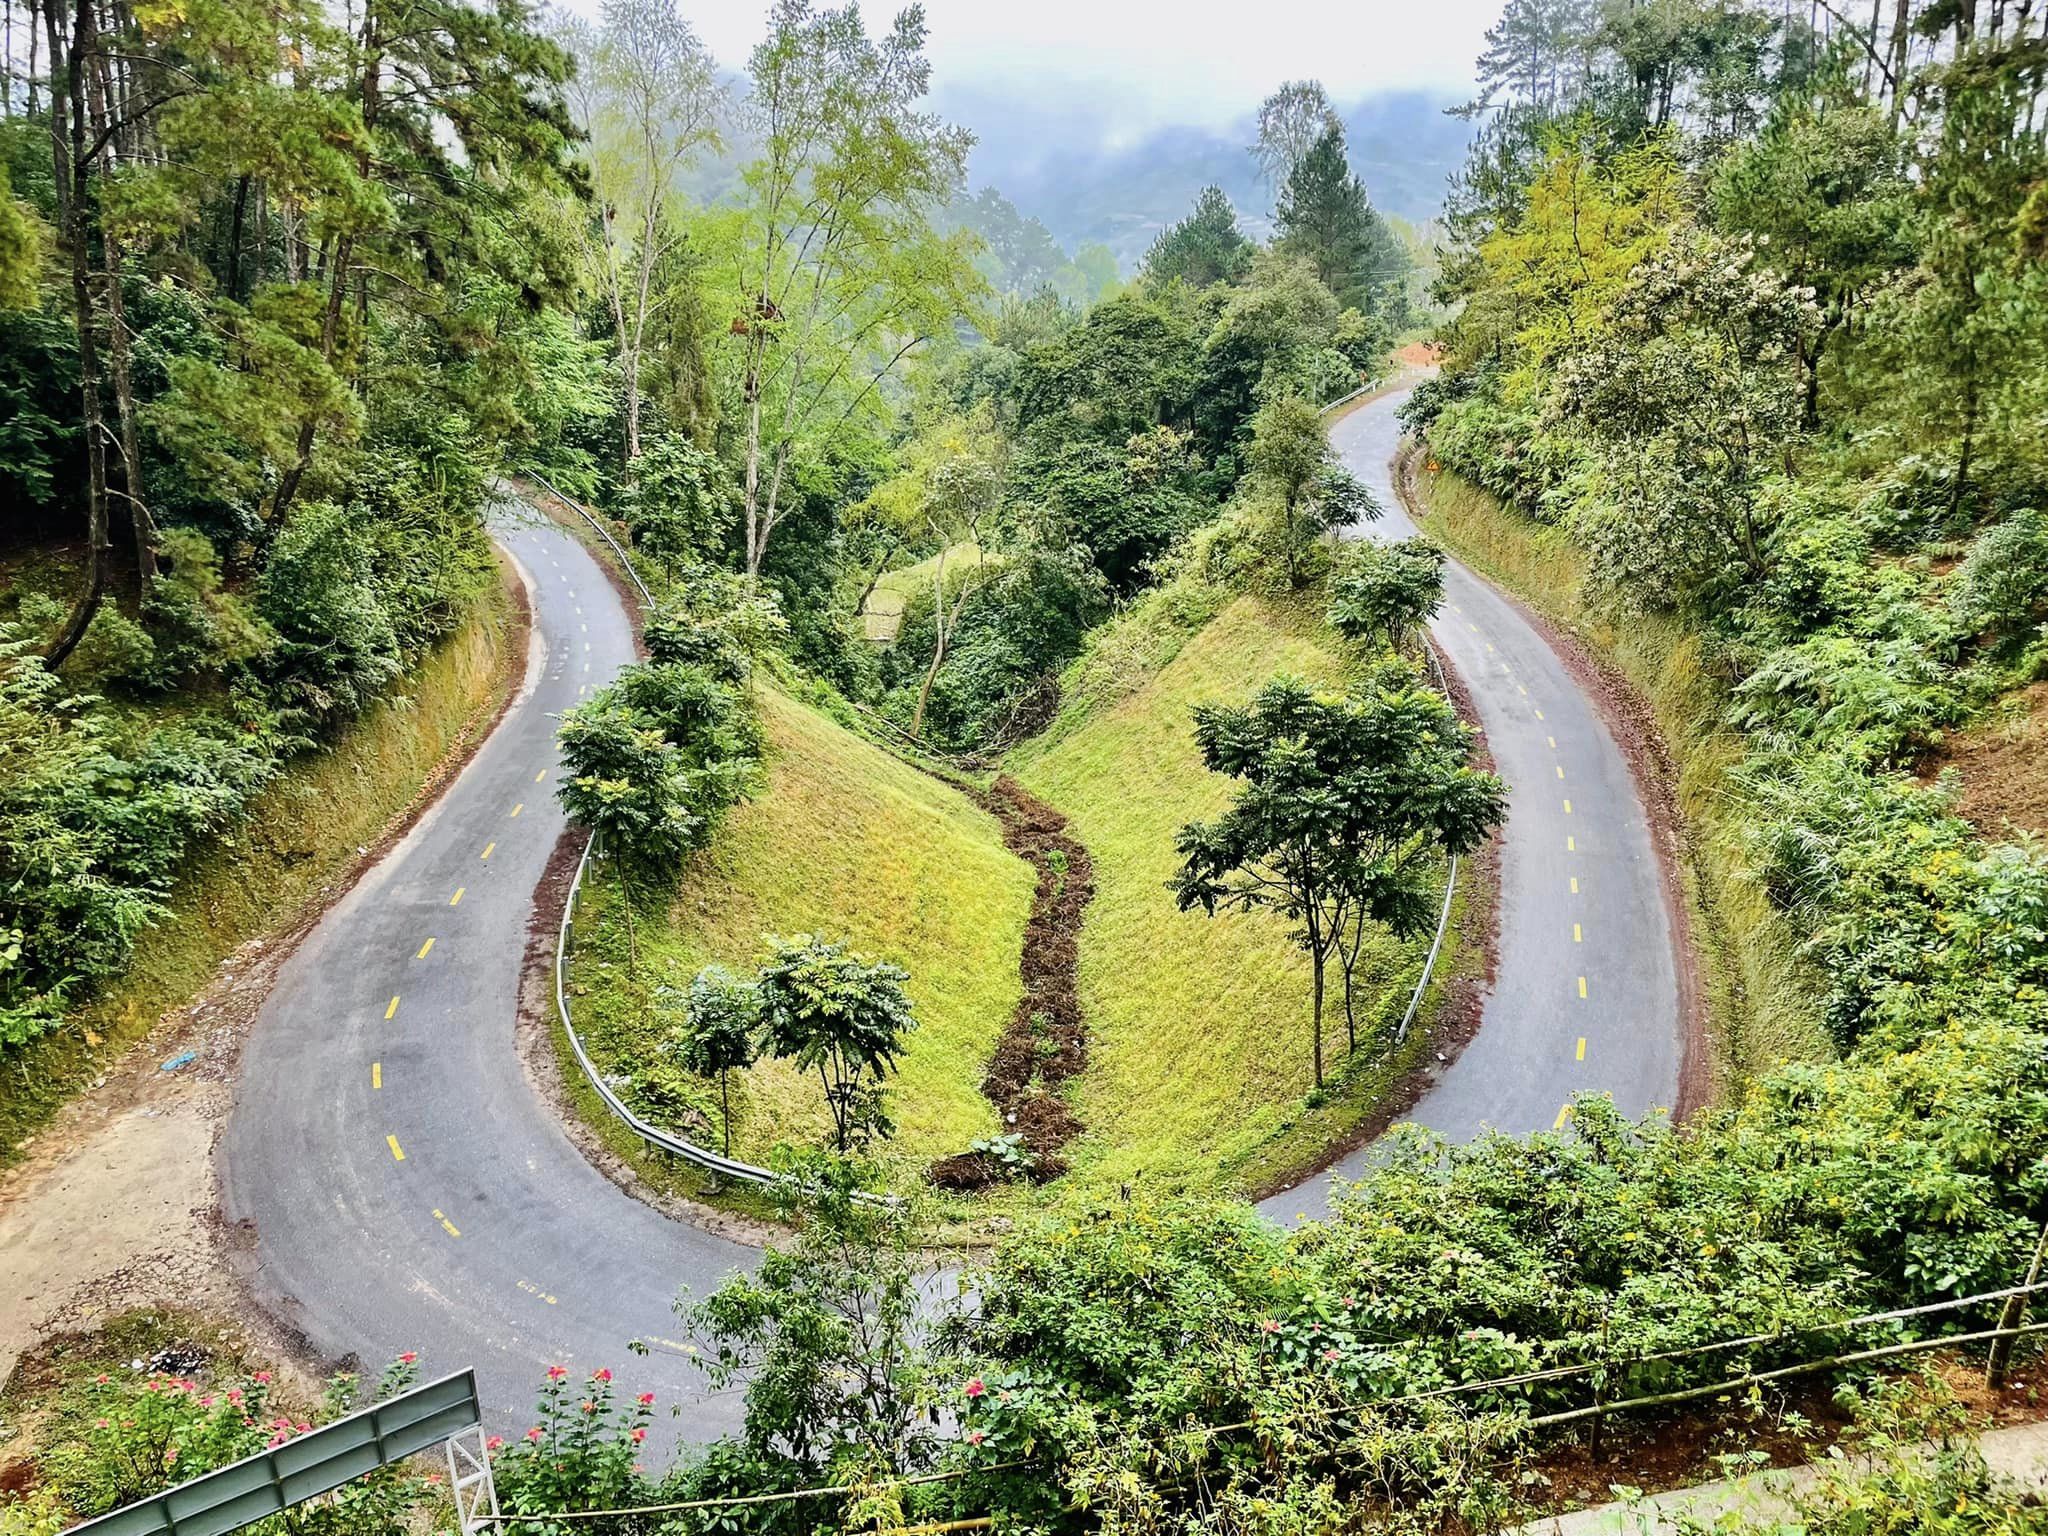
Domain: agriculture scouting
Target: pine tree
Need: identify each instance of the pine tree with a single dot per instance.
(1324, 215)
(1203, 248)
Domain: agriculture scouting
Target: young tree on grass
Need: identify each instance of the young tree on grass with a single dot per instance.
(1290, 456)
(838, 272)
(842, 1016)
(1387, 591)
(1347, 801)
(720, 1016)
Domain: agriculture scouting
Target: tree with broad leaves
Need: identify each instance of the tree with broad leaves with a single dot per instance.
(1290, 120)
(844, 1017)
(1347, 802)
(721, 1014)
(1387, 591)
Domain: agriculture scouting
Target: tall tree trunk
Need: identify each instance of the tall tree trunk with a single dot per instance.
(234, 262)
(133, 492)
(1318, 957)
(72, 167)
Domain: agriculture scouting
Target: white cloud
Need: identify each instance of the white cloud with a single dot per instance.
(1128, 65)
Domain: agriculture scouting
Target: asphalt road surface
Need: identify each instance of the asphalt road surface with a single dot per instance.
(1585, 996)
(407, 1187)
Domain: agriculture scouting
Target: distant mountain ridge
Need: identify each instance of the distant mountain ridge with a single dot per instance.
(1401, 142)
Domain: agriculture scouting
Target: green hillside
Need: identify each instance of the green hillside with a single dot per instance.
(1200, 1026)
(847, 842)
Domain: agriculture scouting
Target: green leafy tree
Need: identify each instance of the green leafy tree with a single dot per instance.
(838, 273)
(1291, 120)
(1346, 801)
(648, 99)
(721, 1015)
(1313, 495)
(842, 1016)
(1387, 592)
(832, 1339)
(1203, 248)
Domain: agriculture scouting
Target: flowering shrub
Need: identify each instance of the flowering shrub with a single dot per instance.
(584, 1451)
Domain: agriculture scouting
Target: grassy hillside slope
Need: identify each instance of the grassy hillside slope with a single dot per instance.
(1200, 1027)
(1761, 1007)
(845, 841)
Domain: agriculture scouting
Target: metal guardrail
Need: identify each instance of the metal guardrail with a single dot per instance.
(1443, 918)
(666, 1141)
(653, 1135)
(317, 1462)
(625, 560)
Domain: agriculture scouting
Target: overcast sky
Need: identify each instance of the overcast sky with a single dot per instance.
(1124, 66)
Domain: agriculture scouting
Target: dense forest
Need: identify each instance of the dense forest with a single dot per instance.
(1745, 304)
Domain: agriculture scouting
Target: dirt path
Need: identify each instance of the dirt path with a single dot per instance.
(1046, 1041)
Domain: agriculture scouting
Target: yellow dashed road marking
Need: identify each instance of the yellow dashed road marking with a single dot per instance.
(1560, 770)
(487, 849)
(1575, 885)
(517, 809)
(539, 776)
(1553, 742)
(1567, 807)
(1582, 986)
(1582, 1047)
(397, 1152)
(376, 1074)
(453, 1230)
(1578, 934)
(1571, 845)
(423, 950)
(393, 1009)
(456, 899)
(1539, 714)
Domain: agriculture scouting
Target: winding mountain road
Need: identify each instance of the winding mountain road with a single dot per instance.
(1586, 994)
(405, 1187)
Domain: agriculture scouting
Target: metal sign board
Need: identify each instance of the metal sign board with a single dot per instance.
(317, 1462)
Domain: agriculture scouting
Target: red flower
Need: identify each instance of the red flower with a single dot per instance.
(262, 1376)
(533, 1435)
(556, 1373)
(601, 1374)
(975, 1388)
(646, 1399)
(103, 1378)
(408, 1357)
(1268, 1325)
(1331, 1354)
(589, 1406)
(494, 1442)
(637, 1436)
(975, 1437)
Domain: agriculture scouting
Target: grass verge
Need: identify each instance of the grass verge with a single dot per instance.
(847, 842)
(300, 835)
(1199, 1072)
(1760, 1006)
